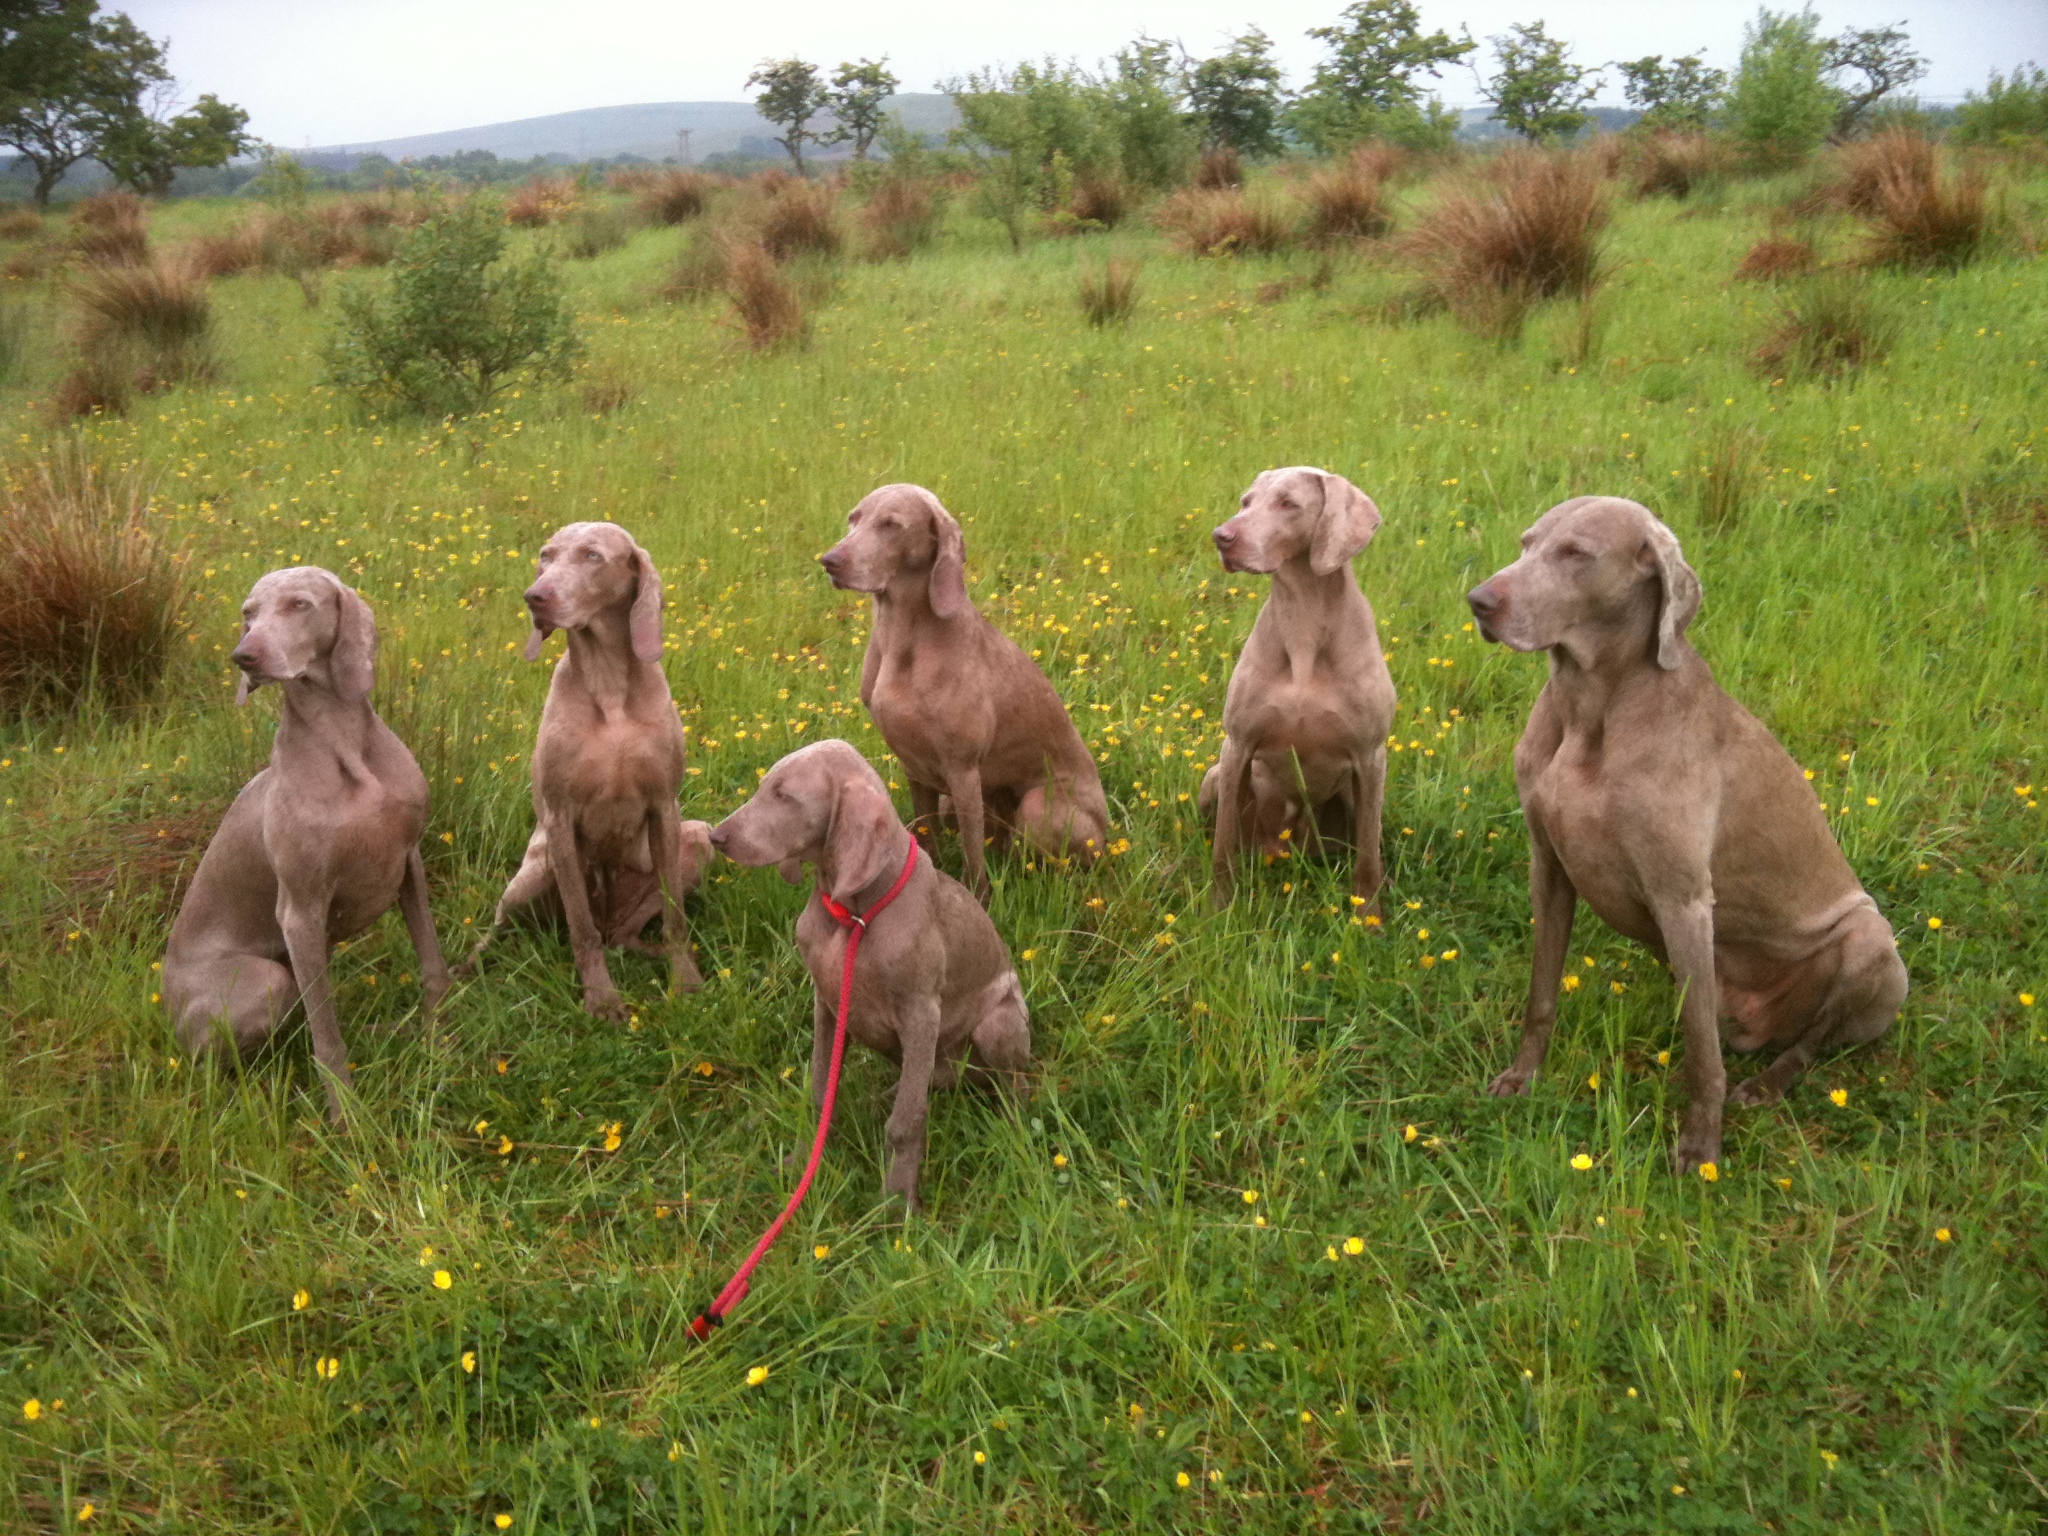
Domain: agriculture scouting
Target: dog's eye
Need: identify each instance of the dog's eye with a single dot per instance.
(301, 604)
(1574, 552)
(594, 554)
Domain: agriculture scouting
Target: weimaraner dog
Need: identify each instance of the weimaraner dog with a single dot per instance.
(963, 708)
(933, 988)
(316, 847)
(1306, 718)
(1679, 818)
(608, 841)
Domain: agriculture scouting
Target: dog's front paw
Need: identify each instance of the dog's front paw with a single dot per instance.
(1698, 1145)
(1511, 1084)
(607, 1005)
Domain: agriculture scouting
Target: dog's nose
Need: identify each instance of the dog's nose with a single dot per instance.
(535, 597)
(1485, 600)
(832, 560)
(717, 836)
(1225, 536)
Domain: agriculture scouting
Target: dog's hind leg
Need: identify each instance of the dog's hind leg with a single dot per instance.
(535, 879)
(235, 1008)
(1869, 987)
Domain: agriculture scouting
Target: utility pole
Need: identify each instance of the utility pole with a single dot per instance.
(683, 141)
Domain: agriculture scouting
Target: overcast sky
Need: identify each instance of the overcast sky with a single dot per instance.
(345, 71)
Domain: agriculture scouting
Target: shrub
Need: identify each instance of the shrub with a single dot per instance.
(1775, 258)
(1348, 200)
(1109, 292)
(1928, 222)
(20, 224)
(672, 196)
(110, 228)
(456, 323)
(900, 216)
(1224, 224)
(1220, 168)
(149, 323)
(1829, 327)
(595, 230)
(764, 301)
(1527, 229)
(2013, 108)
(1676, 164)
(1780, 105)
(543, 200)
(224, 255)
(90, 600)
(798, 217)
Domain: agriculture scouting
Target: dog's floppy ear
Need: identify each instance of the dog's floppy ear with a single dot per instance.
(353, 662)
(1347, 523)
(1680, 601)
(646, 621)
(948, 588)
(857, 844)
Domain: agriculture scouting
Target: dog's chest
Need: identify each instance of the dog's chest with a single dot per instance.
(1579, 810)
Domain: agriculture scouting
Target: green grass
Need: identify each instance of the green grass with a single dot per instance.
(1096, 1306)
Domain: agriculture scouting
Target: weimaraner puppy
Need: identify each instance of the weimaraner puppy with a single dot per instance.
(608, 841)
(963, 708)
(933, 987)
(317, 846)
(1679, 818)
(1306, 718)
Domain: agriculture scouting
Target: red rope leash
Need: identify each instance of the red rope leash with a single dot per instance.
(856, 926)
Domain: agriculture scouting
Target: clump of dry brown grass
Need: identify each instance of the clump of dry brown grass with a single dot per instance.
(764, 301)
(1109, 293)
(542, 201)
(90, 598)
(1828, 327)
(900, 216)
(797, 218)
(1925, 220)
(1775, 258)
(141, 327)
(672, 196)
(110, 228)
(1220, 168)
(1100, 200)
(1348, 199)
(1525, 229)
(1227, 223)
(1863, 166)
(1677, 164)
(20, 224)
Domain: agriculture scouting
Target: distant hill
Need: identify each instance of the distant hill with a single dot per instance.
(647, 130)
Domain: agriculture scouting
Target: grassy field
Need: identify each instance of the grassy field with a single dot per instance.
(1258, 1254)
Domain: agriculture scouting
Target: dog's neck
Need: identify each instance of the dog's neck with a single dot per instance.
(903, 609)
(1308, 610)
(317, 720)
(898, 838)
(1592, 666)
(601, 653)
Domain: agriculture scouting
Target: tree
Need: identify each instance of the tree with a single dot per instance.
(2010, 111)
(1680, 95)
(791, 95)
(456, 324)
(1144, 105)
(1031, 129)
(1366, 87)
(70, 79)
(855, 99)
(146, 153)
(1236, 98)
(1884, 57)
(1780, 105)
(1539, 92)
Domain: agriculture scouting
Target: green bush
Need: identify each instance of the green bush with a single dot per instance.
(457, 323)
(2012, 107)
(1781, 106)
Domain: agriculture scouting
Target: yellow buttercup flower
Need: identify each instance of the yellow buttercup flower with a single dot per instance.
(822, 1251)
(502, 1522)
(1710, 1172)
(981, 1458)
(442, 1279)
(1409, 1133)
(32, 1409)
(85, 1512)
(1250, 1197)
(1181, 1479)
(1942, 1234)
(1354, 1246)
(1059, 1159)
(1582, 1162)
(1840, 1096)
(469, 1362)
(757, 1375)
(301, 1300)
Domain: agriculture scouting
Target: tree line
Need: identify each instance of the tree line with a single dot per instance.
(1152, 108)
